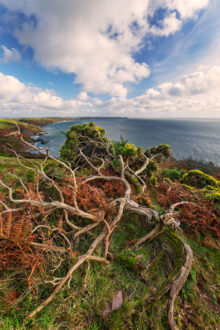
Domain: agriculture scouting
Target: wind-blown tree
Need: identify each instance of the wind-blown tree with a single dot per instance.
(85, 192)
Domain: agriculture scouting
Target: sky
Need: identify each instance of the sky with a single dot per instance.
(130, 58)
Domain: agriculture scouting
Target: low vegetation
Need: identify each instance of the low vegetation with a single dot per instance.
(28, 127)
(106, 237)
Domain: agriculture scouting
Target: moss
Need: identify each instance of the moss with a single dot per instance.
(137, 185)
(30, 175)
(151, 169)
(128, 261)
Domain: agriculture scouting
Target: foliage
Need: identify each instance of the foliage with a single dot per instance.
(123, 148)
(153, 180)
(199, 179)
(201, 222)
(163, 150)
(90, 139)
(15, 244)
(211, 193)
(167, 194)
(83, 137)
(173, 173)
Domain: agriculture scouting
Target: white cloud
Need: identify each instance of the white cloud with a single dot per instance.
(82, 96)
(170, 25)
(205, 80)
(10, 55)
(10, 88)
(96, 39)
(193, 95)
(187, 8)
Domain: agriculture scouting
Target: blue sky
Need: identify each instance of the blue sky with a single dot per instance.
(110, 58)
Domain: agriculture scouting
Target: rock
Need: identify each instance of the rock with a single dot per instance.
(107, 311)
(117, 301)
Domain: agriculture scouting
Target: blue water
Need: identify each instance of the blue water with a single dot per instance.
(196, 139)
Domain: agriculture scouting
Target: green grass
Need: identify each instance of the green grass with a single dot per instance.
(7, 123)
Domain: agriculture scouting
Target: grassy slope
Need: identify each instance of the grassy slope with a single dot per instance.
(31, 122)
(28, 126)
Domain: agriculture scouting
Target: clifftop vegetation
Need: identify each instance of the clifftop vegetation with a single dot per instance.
(28, 127)
(106, 238)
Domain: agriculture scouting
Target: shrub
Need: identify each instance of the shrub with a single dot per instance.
(124, 149)
(199, 179)
(83, 137)
(153, 180)
(163, 151)
(200, 219)
(211, 193)
(173, 173)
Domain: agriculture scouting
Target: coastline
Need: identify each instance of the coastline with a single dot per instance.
(33, 129)
(30, 128)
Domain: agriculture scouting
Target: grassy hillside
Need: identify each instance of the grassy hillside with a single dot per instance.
(130, 287)
(28, 126)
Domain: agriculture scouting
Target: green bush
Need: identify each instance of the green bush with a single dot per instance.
(173, 173)
(211, 193)
(124, 149)
(78, 137)
(90, 139)
(163, 151)
(199, 179)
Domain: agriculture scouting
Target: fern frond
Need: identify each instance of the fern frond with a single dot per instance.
(8, 225)
(16, 233)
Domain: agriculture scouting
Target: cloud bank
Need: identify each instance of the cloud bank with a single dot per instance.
(193, 95)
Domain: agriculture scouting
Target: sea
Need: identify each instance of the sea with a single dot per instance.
(197, 139)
